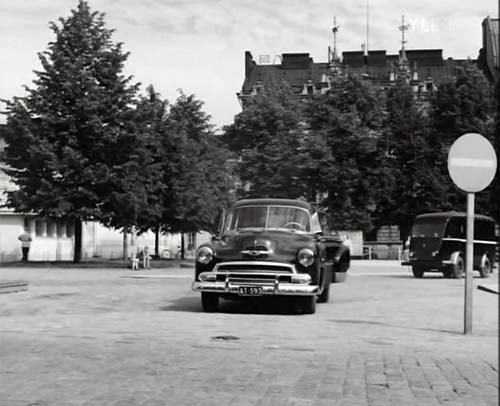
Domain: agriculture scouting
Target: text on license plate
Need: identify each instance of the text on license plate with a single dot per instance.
(250, 291)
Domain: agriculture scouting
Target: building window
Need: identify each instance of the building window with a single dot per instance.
(51, 229)
(27, 224)
(70, 230)
(60, 229)
(39, 228)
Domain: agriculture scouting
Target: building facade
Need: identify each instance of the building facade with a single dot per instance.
(423, 69)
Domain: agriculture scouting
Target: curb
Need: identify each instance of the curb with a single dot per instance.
(13, 286)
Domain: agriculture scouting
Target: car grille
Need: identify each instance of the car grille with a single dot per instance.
(254, 267)
(258, 280)
(254, 272)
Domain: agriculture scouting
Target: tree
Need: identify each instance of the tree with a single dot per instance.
(268, 137)
(73, 148)
(196, 174)
(152, 114)
(463, 104)
(346, 122)
(409, 155)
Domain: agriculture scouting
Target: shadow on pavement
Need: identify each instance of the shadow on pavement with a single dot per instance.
(378, 323)
(263, 305)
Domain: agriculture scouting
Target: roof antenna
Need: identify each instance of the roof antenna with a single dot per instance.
(403, 27)
(333, 56)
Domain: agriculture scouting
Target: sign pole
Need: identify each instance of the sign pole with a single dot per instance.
(469, 263)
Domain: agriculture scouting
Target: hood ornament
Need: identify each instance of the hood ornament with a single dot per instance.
(255, 253)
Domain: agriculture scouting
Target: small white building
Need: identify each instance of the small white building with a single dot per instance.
(54, 241)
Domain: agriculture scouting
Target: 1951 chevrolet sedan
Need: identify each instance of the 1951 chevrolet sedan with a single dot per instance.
(279, 247)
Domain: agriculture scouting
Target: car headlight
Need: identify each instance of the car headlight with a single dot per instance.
(204, 255)
(305, 257)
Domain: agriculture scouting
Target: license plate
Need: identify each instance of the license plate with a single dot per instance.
(250, 291)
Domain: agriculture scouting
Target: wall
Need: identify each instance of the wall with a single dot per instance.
(356, 239)
(57, 244)
(11, 227)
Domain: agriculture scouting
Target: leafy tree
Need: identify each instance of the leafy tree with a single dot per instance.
(269, 138)
(463, 104)
(73, 147)
(151, 116)
(345, 123)
(195, 169)
(409, 155)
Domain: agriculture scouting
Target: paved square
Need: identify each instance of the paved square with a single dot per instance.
(120, 337)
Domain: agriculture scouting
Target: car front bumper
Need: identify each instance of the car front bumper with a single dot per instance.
(270, 278)
(285, 289)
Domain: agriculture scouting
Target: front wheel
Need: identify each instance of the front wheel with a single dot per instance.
(418, 271)
(309, 304)
(325, 295)
(458, 269)
(209, 302)
(486, 267)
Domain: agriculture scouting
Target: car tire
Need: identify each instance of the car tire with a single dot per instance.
(458, 270)
(486, 267)
(325, 295)
(309, 304)
(209, 302)
(418, 271)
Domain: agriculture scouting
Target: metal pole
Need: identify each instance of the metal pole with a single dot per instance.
(469, 256)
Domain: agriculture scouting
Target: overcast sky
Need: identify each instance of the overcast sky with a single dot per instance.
(199, 45)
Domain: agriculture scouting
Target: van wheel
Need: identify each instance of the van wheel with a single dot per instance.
(418, 271)
(309, 304)
(485, 267)
(458, 268)
(209, 302)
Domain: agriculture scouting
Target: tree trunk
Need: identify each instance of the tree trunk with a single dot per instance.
(77, 255)
(183, 250)
(157, 242)
(125, 245)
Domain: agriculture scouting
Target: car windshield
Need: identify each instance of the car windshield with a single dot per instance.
(428, 227)
(269, 217)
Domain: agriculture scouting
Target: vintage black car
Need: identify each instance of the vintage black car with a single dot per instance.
(278, 247)
(438, 244)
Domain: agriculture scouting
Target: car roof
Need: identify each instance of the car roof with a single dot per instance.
(448, 214)
(274, 202)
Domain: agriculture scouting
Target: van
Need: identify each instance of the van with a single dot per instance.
(438, 244)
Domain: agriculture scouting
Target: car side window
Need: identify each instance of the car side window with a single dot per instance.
(484, 230)
(455, 228)
(452, 229)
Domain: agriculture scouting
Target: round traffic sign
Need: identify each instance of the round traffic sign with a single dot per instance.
(472, 162)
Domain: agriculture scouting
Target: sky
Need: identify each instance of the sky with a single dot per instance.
(199, 45)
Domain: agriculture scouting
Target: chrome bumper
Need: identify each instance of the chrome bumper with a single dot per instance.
(228, 277)
(276, 289)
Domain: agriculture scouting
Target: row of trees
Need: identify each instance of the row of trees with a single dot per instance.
(84, 144)
(370, 156)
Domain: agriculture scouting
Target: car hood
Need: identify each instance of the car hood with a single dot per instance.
(262, 245)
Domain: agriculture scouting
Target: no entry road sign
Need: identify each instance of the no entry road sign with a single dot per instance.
(472, 162)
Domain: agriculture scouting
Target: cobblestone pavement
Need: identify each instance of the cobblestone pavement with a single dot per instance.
(93, 337)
